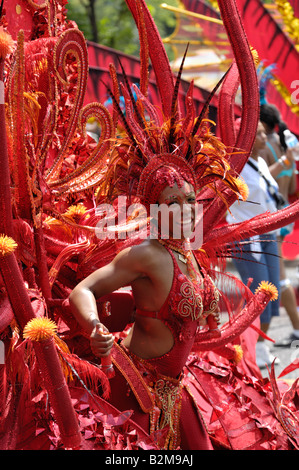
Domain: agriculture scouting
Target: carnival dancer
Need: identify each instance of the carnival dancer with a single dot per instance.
(173, 295)
(175, 163)
(175, 369)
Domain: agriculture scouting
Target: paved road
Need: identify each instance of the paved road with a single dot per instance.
(280, 328)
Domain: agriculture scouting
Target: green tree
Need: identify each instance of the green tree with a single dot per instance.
(111, 23)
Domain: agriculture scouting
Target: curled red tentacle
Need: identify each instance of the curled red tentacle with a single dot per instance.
(226, 108)
(71, 42)
(250, 103)
(89, 172)
(157, 54)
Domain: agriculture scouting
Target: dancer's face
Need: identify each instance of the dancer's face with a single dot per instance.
(180, 210)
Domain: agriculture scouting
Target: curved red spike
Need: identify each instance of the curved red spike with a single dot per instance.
(247, 72)
(258, 225)
(250, 107)
(159, 59)
(226, 107)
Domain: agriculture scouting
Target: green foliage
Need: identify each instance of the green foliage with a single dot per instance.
(114, 23)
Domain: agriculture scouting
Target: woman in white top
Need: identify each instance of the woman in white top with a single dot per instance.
(258, 258)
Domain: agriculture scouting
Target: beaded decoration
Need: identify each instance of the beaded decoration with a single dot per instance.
(163, 170)
(185, 254)
(168, 397)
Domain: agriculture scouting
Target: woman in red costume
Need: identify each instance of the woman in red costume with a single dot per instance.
(173, 368)
(173, 296)
(175, 300)
(175, 162)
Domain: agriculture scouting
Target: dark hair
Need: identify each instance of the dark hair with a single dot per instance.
(281, 128)
(269, 115)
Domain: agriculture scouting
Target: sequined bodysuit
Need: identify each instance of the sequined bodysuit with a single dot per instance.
(158, 384)
(186, 304)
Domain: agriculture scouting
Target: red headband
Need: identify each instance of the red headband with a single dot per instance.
(162, 171)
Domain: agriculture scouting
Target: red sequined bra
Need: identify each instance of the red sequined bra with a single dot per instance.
(186, 304)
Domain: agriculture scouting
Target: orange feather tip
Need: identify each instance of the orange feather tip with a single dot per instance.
(243, 189)
(255, 55)
(7, 245)
(269, 289)
(75, 212)
(6, 43)
(238, 353)
(40, 329)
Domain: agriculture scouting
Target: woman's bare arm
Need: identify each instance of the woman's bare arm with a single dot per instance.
(122, 271)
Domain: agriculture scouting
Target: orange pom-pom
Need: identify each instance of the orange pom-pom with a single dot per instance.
(40, 329)
(269, 288)
(7, 245)
(75, 212)
(6, 43)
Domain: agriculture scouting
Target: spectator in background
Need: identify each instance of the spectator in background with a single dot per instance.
(258, 258)
(280, 160)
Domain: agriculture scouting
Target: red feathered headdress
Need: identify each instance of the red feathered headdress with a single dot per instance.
(152, 153)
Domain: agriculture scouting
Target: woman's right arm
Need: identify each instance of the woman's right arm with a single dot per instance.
(122, 271)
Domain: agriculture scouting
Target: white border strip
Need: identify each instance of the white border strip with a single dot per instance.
(2, 100)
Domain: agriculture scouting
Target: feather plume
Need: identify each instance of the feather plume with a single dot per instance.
(133, 102)
(88, 374)
(124, 121)
(174, 104)
(207, 103)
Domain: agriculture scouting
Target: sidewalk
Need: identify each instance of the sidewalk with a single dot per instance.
(280, 328)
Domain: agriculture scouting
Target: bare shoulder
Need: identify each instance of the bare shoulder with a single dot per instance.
(146, 256)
